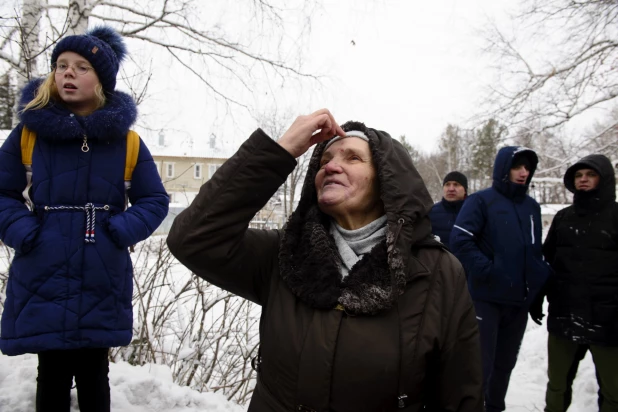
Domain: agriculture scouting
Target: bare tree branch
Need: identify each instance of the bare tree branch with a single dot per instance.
(175, 26)
(575, 70)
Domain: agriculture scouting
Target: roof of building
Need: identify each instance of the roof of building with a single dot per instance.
(186, 146)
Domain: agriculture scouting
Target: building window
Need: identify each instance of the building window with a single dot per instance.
(169, 170)
(212, 169)
(197, 171)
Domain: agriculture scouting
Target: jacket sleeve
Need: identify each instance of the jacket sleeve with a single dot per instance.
(466, 238)
(436, 216)
(538, 229)
(460, 375)
(149, 204)
(18, 225)
(211, 237)
(549, 246)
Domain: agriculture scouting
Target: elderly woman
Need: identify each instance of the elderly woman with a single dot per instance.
(361, 309)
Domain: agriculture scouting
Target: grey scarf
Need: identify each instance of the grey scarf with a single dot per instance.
(353, 244)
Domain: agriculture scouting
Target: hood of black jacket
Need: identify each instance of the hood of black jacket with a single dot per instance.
(606, 190)
(55, 122)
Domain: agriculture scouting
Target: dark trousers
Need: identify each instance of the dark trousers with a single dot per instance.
(502, 329)
(563, 360)
(57, 368)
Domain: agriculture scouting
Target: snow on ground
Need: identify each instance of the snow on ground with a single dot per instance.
(529, 378)
(133, 389)
(150, 389)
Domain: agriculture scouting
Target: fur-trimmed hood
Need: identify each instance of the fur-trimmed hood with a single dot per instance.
(56, 123)
(309, 259)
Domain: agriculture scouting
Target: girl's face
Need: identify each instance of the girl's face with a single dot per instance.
(76, 81)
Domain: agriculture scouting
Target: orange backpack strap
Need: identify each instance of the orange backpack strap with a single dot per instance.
(131, 161)
(132, 153)
(129, 167)
(28, 139)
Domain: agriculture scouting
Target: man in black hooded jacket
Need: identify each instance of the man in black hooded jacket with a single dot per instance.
(582, 248)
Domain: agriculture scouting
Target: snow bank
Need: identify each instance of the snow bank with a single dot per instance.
(133, 389)
(150, 388)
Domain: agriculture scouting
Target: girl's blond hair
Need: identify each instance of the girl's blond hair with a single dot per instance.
(49, 91)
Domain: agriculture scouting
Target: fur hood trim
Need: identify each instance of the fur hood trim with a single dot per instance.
(309, 260)
(56, 123)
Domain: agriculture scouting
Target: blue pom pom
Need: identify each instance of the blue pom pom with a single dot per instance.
(111, 37)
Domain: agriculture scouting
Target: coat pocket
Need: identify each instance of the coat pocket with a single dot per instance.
(605, 314)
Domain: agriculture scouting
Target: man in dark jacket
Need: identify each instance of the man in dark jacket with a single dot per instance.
(444, 213)
(582, 248)
(497, 238)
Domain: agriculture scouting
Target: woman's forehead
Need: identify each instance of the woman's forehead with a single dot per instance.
(348, 143)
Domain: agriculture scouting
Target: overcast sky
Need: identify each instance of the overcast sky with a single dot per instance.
(406, 67)
(415, 65)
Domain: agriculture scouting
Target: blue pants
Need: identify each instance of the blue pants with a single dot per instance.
(502, 329)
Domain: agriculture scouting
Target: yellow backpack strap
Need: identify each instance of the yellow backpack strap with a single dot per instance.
(129, 167)
(28, 138)
(132, 153)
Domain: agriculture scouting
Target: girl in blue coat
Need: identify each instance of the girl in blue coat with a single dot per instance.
(70, 285)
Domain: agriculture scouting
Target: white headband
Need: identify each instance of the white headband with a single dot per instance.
(351, 133)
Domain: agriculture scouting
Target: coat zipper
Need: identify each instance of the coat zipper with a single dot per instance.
(532, 228)
(403, 400)
(85, 147)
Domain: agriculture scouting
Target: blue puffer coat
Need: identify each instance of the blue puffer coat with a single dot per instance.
(64, 293)
(443, 215)
(497, 237)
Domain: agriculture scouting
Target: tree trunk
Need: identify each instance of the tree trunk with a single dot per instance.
(78, 15)
(30, 46)
(30, 38)
(285, 199)
(292, 190)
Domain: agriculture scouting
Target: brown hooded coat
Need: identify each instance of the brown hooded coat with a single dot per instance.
(401, 324)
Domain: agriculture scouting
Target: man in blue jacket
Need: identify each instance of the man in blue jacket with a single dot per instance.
(444, 213)
(497, 238)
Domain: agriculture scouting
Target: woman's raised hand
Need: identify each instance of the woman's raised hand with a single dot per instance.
(309, 130)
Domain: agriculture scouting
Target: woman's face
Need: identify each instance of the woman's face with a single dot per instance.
(76, 90)
(346, 183)
(586, 179)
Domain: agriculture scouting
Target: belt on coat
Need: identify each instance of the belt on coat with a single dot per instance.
(90, 210)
